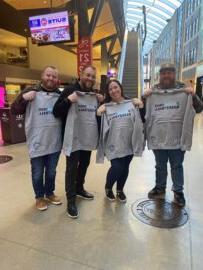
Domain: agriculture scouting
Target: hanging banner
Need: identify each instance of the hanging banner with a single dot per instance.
(84, 53)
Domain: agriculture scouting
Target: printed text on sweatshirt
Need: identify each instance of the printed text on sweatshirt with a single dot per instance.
(169, 120)
(121, 131)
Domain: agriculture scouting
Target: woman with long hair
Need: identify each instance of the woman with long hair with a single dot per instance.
(121, 137)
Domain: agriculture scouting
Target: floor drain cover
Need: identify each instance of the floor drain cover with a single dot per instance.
(159, 213)
(4, 159)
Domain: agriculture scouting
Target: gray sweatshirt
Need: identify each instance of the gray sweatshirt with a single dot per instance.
(43, 131)
(169, 120)
(81, 130)
(121, 131)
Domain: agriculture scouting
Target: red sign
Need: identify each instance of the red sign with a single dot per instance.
(84, 53)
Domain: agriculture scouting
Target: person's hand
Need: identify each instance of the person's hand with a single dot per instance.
(29, 96)
(189, 90)
(100, 98)
(147, 92)
(138, 102)
(73, 97)
(101, 110)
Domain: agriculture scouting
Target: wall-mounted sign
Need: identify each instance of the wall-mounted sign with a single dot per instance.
(50, 28)
(84, 53)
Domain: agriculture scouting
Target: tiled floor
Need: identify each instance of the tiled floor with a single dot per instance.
(106, 235)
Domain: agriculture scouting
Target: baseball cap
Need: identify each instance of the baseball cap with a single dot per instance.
(167, 67)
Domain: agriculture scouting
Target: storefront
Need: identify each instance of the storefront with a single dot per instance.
(14, 86)
(12, 126)
(2, 95)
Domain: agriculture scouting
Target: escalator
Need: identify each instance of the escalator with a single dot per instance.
(131, 66)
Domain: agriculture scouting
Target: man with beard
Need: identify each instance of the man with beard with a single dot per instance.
(166, 150)
(78, 161)
(43, 134)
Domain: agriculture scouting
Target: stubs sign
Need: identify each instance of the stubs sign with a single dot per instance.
(84, 53)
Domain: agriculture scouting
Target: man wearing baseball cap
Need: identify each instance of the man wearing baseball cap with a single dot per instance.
(165, 142)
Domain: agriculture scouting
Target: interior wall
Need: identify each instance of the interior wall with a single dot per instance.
(40, 56)
(66, 62)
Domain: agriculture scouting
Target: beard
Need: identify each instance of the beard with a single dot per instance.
(87, 84)
(49, 85)
(167, 83)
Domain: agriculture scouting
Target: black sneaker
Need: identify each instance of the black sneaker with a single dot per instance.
(110, 195)
(155, 192)
(85, 195)
(121, 196)
(72, 209)
(179, 198)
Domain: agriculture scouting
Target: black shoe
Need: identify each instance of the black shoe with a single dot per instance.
(179, 198)
(121, 196)
(85, 195)
(72, 209)
(110, 195)
(155, 192)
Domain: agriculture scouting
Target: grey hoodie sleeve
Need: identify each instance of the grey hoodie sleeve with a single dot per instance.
(102, 139)
(188, 122)
(69, 130)
(147, 124)
(138, 135)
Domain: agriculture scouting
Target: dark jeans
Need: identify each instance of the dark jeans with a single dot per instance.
(118, 172)
(175, 158)
(44, 173)
(76, 168)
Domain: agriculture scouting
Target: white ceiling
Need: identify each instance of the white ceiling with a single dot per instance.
(158, 12)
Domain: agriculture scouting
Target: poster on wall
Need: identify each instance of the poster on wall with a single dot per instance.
(84, 53)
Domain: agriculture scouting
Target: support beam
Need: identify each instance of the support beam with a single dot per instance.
(98, 42)
(115, 54)
(145, 24)
(113, 41)
(83, 20)
(95, 16)
(113, 60)
(118, 60)
(116, 7)
(104, 58)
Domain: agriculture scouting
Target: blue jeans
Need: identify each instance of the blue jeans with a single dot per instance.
(118, 172)
(175, 158)
(44, 168)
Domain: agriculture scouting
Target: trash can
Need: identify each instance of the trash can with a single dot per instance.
(12, 126)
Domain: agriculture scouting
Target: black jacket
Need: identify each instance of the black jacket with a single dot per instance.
(19, 105)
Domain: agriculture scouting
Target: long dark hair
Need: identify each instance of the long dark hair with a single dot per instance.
(106, 91)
